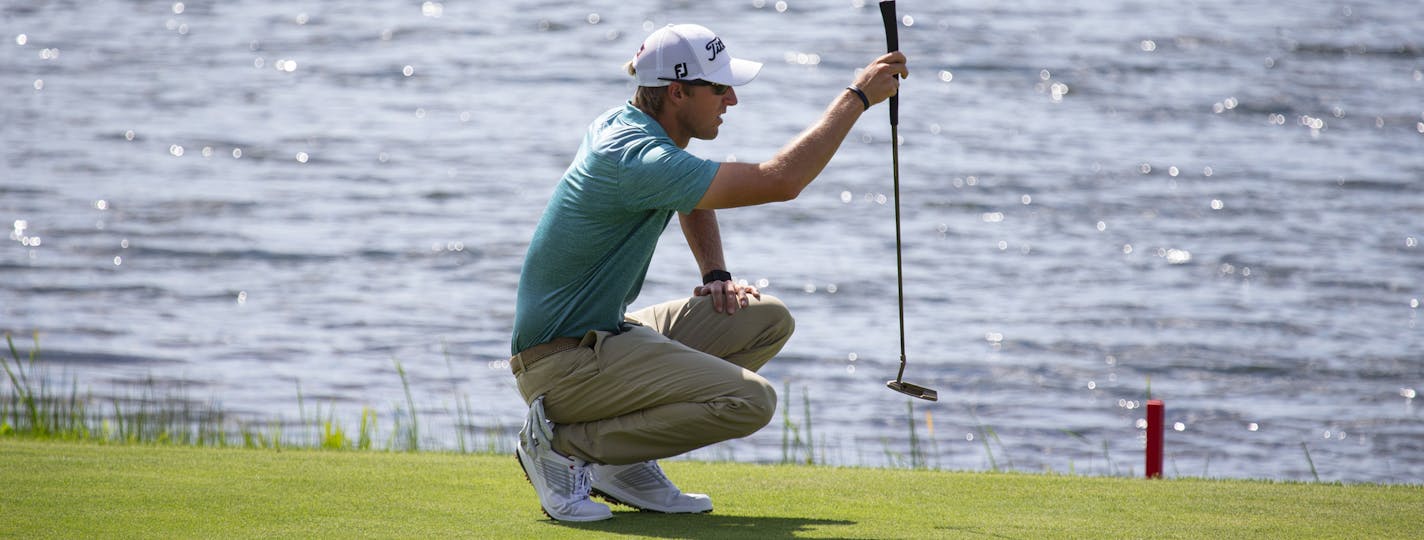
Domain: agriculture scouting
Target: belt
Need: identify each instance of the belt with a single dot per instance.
(526, 358)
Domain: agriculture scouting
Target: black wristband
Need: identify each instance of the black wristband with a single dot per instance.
(860, 94)
(716, 275)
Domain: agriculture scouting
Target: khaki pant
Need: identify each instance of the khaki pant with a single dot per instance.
(681, 379)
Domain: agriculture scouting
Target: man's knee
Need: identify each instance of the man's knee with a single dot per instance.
(756, 404)
(774, 314)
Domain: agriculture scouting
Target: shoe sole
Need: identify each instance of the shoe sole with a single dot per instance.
(525, 470)
(615, 500)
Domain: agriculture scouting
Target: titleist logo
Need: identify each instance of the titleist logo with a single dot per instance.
(715, 46)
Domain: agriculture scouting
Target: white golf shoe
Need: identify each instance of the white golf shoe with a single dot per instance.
(561, 482)
(645, 487)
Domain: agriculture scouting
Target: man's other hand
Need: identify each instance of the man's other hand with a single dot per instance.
(727, 296)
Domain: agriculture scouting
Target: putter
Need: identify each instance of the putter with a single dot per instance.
(892, 44)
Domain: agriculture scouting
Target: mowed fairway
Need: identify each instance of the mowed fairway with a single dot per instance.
(73, 490)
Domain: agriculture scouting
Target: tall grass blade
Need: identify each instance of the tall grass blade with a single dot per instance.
(411, 432)
(917, 458)
(810, 441)
(368, 425)
(1306, 449)
(462, 405)
(20, 382)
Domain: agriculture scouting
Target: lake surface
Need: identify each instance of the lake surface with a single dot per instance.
(1222, 201)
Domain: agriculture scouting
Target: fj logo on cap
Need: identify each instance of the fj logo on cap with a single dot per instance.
(715, 46)
(680, 71)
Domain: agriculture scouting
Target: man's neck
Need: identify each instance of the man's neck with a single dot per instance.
(668, 120)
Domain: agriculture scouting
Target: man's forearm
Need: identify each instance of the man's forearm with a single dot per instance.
(801, 160)
(704, 239)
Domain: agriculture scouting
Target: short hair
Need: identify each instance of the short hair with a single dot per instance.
(647, 98)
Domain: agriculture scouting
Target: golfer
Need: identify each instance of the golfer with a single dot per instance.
(609, 391)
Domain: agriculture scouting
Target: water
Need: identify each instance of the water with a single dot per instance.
(1219, 199)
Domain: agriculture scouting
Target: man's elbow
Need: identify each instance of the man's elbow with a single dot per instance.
(784, 185)
(787, 189)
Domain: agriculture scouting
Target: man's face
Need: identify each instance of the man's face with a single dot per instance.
(703, 115)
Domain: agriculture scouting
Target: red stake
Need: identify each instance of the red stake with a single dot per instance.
(1155, 412)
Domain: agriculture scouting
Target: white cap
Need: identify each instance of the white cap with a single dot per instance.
(686, 52)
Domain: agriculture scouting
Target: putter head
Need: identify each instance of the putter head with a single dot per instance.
(913, 390)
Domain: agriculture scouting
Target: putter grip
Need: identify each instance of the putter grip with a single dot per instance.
(892, 44)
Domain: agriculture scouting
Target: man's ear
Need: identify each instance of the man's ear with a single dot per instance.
(677, 91)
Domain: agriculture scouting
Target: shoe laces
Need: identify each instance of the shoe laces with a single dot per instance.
(583, 481)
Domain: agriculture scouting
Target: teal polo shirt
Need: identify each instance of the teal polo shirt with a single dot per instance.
(593, 245)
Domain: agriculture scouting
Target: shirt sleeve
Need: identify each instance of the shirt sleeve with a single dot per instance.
(661, 176)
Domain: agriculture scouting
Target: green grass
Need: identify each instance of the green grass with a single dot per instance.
(56, 489)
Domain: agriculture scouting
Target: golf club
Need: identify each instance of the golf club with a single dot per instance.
(892, 44)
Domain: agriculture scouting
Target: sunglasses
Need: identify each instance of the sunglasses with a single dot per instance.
(719, 89)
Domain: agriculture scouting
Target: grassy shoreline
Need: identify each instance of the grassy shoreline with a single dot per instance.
(60, 489)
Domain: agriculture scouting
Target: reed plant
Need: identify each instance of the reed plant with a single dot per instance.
(794, 449)
(151, 412)
(1310, 461)
(407, 432)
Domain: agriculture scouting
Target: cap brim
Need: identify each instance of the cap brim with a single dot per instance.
(737, 72)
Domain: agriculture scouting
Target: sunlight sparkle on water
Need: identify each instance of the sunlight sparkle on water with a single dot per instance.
(1175, 256)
